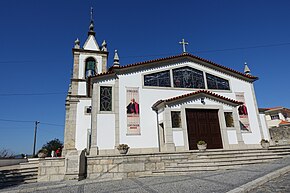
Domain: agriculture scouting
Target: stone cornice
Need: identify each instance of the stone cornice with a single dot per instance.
(102, 53)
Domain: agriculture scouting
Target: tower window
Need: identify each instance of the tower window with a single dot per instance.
(91, 69)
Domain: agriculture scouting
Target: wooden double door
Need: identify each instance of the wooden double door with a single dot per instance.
(203, 124)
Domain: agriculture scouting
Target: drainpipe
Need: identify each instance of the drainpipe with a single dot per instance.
(158, 133)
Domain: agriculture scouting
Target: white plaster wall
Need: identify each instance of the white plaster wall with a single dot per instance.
(91, 44)
(232, 136)
(83, 123)
(267, 117)
(106, 131)
(264, 126)
(82, 59)
(178, 138)
(148, 121)
(207, 101)
(281, 116)
(148, 96)
(82, 88)
(274, 123)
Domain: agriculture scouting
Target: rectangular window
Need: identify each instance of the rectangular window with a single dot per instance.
(105, 98)
(275, 117)
(176, 119)
(214, 82)
(161, 79)
(229, 119)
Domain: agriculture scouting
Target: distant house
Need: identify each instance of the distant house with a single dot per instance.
(277, 119)
(276, 116)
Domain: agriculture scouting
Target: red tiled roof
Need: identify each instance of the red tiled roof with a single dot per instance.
(206, 92)
(104, 73)
(182, 56)
(274, 108)
(284, 123)
(192, 56)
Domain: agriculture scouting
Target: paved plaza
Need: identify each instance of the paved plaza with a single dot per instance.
(209, 181)
(281, 185)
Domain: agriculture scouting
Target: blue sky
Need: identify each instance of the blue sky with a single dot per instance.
(36, 38)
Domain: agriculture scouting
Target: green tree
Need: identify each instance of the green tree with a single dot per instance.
(52, 145)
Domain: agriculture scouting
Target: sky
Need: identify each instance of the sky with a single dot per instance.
(36, 40)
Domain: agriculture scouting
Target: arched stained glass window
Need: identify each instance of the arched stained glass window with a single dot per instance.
(91, 68)
(187, 77)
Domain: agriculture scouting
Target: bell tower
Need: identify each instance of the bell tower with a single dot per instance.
(88, 60)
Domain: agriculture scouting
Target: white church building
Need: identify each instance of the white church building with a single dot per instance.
(161, 105)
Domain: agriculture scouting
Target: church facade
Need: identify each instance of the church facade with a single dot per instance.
(161, 105)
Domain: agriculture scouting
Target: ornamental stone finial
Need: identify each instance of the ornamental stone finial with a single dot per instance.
(77, 44)
(91, 27)
(247, 69)
(116, 59)
(104, 46)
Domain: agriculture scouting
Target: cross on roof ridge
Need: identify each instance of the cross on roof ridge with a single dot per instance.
(184, 43)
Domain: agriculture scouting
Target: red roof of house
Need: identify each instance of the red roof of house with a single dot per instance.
(184, 55)
(284, 123)
(270, 109)
(205, 92)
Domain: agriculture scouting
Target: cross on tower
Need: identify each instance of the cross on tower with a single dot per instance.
(183, 45)
(92, 14)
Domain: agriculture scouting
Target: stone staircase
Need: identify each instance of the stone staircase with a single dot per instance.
(212, 160)
(19, 174)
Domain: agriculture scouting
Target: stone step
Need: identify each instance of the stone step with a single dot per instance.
(193, 154)
(23, 178)
(11, 167)
(19, 172)
(261, 156)
(239, 152)
(188, 170)
(33, 163)
(221, 163)
(17, 181)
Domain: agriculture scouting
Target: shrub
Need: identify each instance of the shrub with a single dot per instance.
(264, 141)
(123, 146)
(201, 142)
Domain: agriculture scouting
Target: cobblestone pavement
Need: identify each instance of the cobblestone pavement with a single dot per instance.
(280, 184)
(206, 182)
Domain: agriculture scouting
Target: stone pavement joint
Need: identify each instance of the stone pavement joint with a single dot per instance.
(143, 186)
(259, 181)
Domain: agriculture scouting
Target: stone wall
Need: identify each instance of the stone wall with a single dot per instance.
(280, 134)
(126, 166)
(51, 169)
